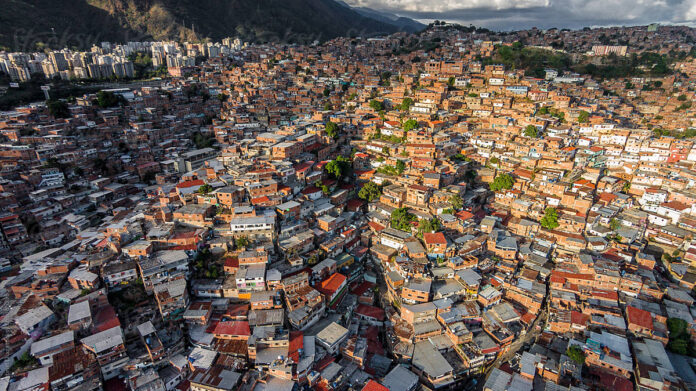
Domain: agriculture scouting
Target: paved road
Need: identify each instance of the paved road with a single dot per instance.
(127, 84)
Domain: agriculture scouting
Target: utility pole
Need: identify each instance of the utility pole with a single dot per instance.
(45, 90)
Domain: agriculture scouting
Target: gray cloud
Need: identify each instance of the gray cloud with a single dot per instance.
(521, 14)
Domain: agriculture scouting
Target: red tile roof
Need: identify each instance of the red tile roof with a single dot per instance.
(192, 183)
(235, 328)
(231, 262)
(106, 318)
(185, 247)
(358, 290)
(260, 200)
(183, 235)
(464, 215)
(528, 318)
(333, 283)
(579, 318)
(374, 386)
(609, 295)
(434, 238)
(377, 227)
(296, 343)
(370, 312)
(639, 317)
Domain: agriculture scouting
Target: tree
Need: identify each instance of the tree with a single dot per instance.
(410, 125)
(576, 354)
(401, 219)
(550, 219)
(406, 104)
(614, 224)
(470, 176)
(331, 129)
(583, 117)
(502, 181)
(108, 99)
(370, 192)
(242, 242)
(424, 226)
(679, 338)
(338, 167)
(57, 108)
(205, 189)
(400, 167)
(376, 105)
(456, 201)
(681, 98)
(201, 140)
(531, 131)
(148, 177)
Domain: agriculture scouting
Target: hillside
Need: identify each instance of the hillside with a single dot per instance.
(400, 22)
(26, 24)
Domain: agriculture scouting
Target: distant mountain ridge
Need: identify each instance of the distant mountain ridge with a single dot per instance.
(26, 24)
(400, 22)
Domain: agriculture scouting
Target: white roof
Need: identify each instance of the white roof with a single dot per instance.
(33, 317)
(202, 358)
(32, 380)
(104, 340)
(146, 328)
(49, 343)
(332, 333)
(79, 311)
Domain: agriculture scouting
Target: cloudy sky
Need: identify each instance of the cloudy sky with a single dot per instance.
(520, 14)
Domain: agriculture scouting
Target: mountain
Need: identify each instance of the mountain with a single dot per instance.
(26, 24)
(400, 22)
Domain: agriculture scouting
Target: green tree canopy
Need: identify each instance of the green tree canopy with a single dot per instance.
(679, 338)
(108, 99)
(583, 117)
(401, 219)
(332, 129)
(376, 105)
(425, 226)
(550, 219)
(531, 131)
(370, 192)
(410, 125)
(57, 108)
(400, 167)
(338, 167)
(502, 181)
(456, 201)
(614, 224)
(406, 104)
(242, 242)
(205, 189)
(576, 354)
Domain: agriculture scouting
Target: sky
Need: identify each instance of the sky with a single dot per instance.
(522, 14)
